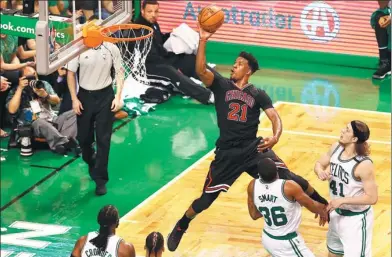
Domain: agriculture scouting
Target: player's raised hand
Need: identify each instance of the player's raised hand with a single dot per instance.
(204, 35)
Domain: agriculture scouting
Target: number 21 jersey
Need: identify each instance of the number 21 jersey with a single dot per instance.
(238, 110)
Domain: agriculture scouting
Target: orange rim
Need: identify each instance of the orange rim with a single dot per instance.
(114, 28)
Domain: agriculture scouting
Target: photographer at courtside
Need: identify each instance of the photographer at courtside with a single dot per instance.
(30, 104)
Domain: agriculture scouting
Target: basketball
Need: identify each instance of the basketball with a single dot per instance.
(211, 18)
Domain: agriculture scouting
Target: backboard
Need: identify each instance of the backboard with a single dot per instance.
(59, 39)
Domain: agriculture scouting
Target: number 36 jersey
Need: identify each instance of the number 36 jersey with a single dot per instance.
(281, 215)
(343, 183)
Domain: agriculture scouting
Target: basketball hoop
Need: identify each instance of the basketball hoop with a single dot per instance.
(133, 40)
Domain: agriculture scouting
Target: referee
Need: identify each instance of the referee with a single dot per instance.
(95, 105)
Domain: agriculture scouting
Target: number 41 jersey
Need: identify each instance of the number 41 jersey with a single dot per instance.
(343, 183)
(238, 110)
(281, 215)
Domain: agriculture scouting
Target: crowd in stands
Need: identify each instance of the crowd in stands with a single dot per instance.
(22, 87)
(56, 123)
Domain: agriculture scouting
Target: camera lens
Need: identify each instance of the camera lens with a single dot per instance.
(39, 84)
(32, 83)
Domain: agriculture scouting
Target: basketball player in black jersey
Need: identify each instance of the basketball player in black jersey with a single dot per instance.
(237, 104)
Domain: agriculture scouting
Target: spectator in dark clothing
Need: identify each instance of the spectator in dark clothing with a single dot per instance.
(63, 91)
(163, 65)
(381, 23)
(88, 7)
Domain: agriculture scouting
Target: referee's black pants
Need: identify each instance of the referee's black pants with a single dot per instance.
(178, 68)
(96, 116)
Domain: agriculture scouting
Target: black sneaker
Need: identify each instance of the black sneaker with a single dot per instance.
(174, 237)
(60, 149)
(73, 145)
(101, 190)
(384, 69)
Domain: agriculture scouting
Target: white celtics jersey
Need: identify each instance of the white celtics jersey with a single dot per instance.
(281, 215)
(343, 182)
(89, 250)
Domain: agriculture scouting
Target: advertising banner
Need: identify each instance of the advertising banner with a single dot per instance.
(23, 26)
(326, 26)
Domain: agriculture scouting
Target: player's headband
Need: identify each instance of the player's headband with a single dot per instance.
(362, 136)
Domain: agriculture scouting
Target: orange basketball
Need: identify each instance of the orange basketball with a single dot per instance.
(211, 18)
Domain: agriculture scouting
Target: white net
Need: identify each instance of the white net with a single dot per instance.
(133, 53)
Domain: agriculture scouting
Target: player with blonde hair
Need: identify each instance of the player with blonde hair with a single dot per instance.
(353, 190)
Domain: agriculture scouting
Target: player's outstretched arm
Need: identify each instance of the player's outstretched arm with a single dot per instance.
(253, 212)
(126, 250)
(320, 168)
(365, 172)
(277, 126)
(294, 192)
(77, 251)
(206, 76)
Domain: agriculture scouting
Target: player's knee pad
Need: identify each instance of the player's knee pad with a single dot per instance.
(204, 201)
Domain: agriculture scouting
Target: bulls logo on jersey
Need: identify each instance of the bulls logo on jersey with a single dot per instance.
(238, 112)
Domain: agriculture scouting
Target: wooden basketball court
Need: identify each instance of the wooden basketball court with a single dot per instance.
(226, 229)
